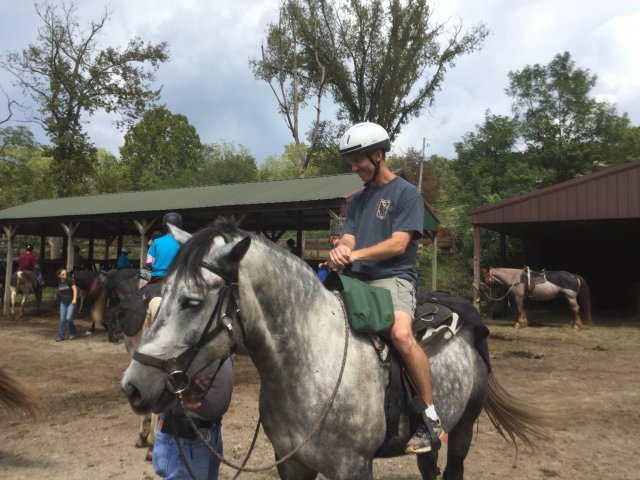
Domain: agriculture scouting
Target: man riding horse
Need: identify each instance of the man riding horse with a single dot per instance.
(380, 244)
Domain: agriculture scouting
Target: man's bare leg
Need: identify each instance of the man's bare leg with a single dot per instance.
(417, 364)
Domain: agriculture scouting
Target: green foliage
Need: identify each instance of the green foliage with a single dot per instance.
(109, 173)
(226, 163)
(67, 77)
(163, 150)
(567, 133)
(384, 61)
(454, 273)
(23, 168)
(409, 163)
(489, 165)
(284, 167)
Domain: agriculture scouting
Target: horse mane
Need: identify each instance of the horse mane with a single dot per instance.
(189, 257)
(188, 260)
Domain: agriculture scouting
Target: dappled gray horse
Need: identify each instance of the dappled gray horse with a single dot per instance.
(227, 287)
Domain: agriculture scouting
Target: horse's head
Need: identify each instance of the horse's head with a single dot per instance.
(489, 279)
(197, 321)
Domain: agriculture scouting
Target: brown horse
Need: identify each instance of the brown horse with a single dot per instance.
(547, 285)
(26, 283)
(89, 285)
(131, 319)
(15, 394)
(117, 285)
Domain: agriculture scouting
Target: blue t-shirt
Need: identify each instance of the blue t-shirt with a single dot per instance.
(123, 262)
(374, 215)
(163, 250)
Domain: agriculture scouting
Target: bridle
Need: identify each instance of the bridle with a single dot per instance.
(178, 380)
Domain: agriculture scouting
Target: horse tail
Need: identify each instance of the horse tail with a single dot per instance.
(514, 418)
(15, 394)
(584, 299)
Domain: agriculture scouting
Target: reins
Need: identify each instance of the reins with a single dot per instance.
(178, 380)
(305, 440)
(515, 282)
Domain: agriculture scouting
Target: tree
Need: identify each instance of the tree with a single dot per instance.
(489, 165)
(226, 163)
(567, 132)
(23, 168)
(384, 60)
(163, 150)
(409, 163)
(68, 77)
(292, 83)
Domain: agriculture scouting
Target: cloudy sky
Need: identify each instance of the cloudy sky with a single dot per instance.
(208, 78)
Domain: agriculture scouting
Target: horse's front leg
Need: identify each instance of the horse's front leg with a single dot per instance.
(522, 314)
(292, 470)
(13, 301)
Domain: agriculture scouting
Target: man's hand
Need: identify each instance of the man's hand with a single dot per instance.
(194, 394)
(339, 258)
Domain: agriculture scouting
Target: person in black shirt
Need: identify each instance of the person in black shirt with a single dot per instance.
(68, 295)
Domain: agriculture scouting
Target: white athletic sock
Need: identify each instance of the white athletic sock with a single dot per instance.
(431, 412)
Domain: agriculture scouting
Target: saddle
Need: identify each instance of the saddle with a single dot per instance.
(531, 278)
(133, 309)
(439, 317)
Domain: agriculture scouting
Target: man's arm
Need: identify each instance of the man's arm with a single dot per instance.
(343, 254)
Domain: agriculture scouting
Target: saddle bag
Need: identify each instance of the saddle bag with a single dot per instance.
(370, 309)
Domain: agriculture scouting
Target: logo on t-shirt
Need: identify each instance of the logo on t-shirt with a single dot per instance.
(383, 208)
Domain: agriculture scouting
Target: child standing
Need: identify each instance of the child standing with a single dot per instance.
(68, 294)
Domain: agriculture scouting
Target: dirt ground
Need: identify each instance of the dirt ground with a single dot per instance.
(589, 379)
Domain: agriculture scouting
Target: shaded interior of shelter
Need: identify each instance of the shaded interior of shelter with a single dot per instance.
(605, 252)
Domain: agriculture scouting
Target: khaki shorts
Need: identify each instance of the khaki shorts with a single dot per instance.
(403, 293)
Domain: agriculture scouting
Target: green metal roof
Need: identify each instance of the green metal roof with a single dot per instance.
(272, 205)
(257, 193)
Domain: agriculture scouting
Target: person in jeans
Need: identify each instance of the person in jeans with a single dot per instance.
(215, 384)
(68, 295)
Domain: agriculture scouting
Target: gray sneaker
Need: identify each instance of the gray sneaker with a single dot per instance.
(428, 435)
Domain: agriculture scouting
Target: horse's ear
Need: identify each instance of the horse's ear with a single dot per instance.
(239, 249)
(181, 236)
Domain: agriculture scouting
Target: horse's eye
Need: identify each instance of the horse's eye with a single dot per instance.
(187, 302)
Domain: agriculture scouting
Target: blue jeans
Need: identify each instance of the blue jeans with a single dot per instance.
(168, 464)
(66, 316)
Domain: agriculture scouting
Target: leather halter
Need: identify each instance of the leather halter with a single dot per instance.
(178, 380)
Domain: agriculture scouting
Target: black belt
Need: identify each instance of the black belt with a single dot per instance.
(180, 426)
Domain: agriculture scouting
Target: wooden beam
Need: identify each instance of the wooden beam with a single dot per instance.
(69, 229)
(476, 266)
(143, 227)
(10, 232)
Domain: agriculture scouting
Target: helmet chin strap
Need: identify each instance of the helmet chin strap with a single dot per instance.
(376, 171)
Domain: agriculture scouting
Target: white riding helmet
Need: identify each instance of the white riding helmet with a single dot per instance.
(364, 137)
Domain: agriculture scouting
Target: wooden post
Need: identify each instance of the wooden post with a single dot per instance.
(10, 232)
(476, 266)
(143, 227)
(434, 263)
(69, 229)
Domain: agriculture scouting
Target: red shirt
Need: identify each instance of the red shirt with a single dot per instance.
(26, 261)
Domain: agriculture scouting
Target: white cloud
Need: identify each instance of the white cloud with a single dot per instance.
(208, 78)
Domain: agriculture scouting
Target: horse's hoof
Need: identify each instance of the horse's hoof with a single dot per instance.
(141, 443)
(149, 456)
